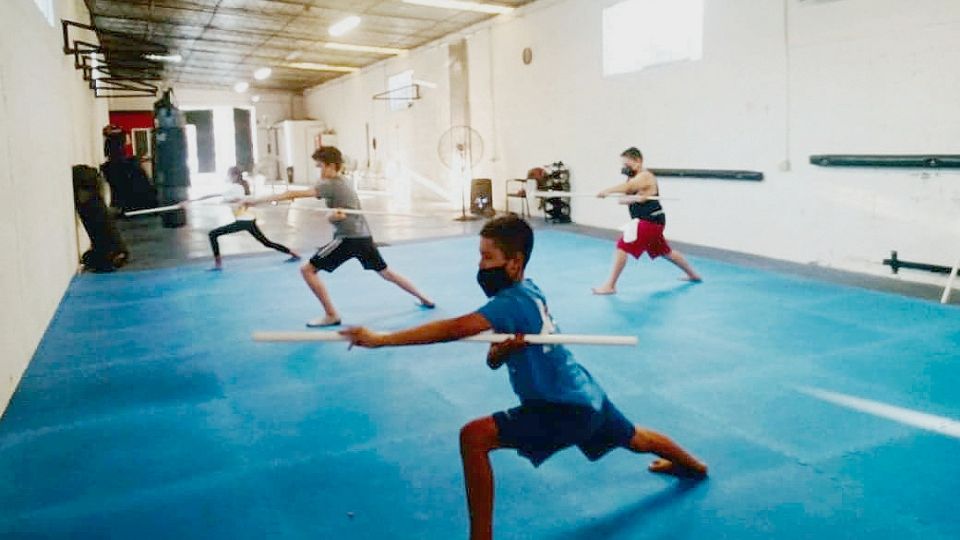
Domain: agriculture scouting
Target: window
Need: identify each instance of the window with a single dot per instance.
(142, 142)
(400, 90)
(641, 33)
(46, 7)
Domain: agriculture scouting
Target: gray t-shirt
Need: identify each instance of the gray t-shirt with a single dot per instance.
(338, 194)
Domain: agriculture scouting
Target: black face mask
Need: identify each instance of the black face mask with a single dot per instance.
(628, 171)
(493, 280)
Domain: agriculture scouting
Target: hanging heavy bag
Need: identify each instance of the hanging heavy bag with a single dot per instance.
(107, 249)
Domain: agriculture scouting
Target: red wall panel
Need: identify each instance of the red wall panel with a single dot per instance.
(128, 120)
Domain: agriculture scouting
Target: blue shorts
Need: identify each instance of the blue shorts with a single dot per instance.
(539, 429)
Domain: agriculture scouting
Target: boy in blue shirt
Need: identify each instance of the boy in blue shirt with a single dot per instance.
(560, 403)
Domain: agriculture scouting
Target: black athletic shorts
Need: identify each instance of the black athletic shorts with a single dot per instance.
(539, 429)
(341, 250)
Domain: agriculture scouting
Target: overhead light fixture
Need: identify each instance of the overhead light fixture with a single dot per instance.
(292, 56)
(364, 48)
(310, 66)
(262, 73)
(255, 99)
(342, 27)
(479, 7)
(241, 87)
(175, 58)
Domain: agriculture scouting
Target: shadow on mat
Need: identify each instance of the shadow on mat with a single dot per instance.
(626, 305)
(388, 319)
(631, 517)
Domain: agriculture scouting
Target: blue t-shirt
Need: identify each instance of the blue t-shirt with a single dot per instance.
(539, 372)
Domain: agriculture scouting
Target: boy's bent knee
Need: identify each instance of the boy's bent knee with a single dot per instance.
(479, 435)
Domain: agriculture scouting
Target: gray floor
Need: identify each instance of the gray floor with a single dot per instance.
(304, 230)
(295, 226)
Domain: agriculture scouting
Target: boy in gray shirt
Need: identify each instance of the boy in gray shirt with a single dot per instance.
(351, 238)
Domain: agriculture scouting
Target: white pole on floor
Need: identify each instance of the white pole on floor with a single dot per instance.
(953, 276)
(534, 339)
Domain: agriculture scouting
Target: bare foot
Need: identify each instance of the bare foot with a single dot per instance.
(692, 279)
(427, 304)
(664, 466)
(322, 322)
(600, 291)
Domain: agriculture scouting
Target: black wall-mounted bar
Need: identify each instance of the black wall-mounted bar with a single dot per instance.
(715, 174)
(896, 264)
(924, 161)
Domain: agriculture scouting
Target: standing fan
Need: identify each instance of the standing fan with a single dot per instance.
(460, 149)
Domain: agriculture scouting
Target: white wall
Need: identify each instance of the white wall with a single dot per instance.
(406, 139)
(779, 80)
(49, 121)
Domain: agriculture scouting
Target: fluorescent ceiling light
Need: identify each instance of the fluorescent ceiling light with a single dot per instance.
(255, 99)
(463, 6)
(164, 57)
(322, 67)
(262, 73)
(342, 27)
(241, 87)
(363, 48)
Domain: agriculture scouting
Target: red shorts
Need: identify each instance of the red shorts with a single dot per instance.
(649, 238)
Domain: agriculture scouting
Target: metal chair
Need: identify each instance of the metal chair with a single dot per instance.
(521, 194)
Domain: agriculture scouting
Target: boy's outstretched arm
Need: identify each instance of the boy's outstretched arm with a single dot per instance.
(432, 332)
(626, 187)
(642, 184)
(285, 196)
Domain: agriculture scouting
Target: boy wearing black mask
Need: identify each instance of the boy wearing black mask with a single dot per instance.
(560, 403)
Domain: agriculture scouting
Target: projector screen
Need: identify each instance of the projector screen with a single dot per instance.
(638, 34)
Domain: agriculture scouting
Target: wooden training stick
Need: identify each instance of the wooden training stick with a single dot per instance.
(534, 339)
(627, 199)
(584, 194)
(561, 194)
(157, 210)
(359, 212)
(170, 208)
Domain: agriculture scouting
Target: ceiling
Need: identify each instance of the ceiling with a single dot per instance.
(224, 41)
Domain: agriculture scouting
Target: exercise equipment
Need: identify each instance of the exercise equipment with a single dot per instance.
(107, 250)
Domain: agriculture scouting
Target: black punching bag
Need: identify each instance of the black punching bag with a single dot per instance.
(107, 249)
(171, 174)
